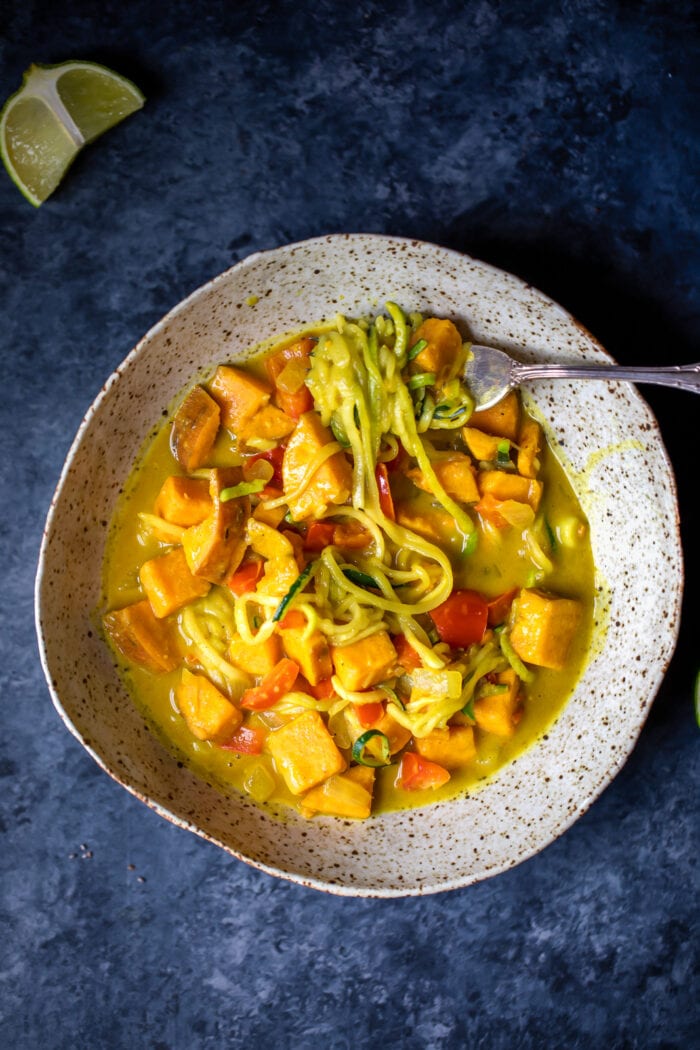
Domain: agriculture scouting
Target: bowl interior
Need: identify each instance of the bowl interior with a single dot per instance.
(614, 455)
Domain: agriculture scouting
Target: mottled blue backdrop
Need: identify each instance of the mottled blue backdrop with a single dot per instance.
(557, 140)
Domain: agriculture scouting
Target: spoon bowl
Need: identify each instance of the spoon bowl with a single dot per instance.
(490, 374)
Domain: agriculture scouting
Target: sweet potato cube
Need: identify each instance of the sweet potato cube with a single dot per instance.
(268, 424)
(456, 475)
(194, 429)
(313, 654)
(451, 747)
(529, 445)
(444, 354)
(363, 775)
(208, 713)
(304, 752)
(343, 795)
(296, 352)
(169, 584)
(362, 664)
(183, 501)
(332, 482)
(141, 637)
(502, 419)
(500, 713)
(215, 548)
(543, 627)
(257, 658)
(239, 395)
(482, 446)
(504, 486)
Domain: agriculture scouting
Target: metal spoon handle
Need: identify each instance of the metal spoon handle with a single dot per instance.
(683, 377)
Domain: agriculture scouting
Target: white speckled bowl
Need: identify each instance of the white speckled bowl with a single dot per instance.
(628, 494)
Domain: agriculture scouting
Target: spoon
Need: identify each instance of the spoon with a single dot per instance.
(491, 373)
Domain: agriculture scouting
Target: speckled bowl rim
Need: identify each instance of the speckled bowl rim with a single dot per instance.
(652, 685)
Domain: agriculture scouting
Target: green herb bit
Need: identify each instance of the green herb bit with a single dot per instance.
(296, 588)
(697, 699)
(245, 488)
(468, 709)
(421, 379)
(416, 349)
(503, 454)
(551, 536)
(358, 749)
(491, 689)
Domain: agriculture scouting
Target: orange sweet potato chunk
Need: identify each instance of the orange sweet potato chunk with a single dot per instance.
(451, 748)
(257, 658)
(215, 548)
(208, 713)
(503, 486)
(194, 429)
(362, 664)
(529, 445)
(332, 482)
(239, 395)
(183, 501)
(444, 354)
(502, 420)
(304, 752)
(169, 584)
(500, 713)
(268, 424)
(313, 654)
(141, 637)
(456, 475)
(543, 627)
(346, 794)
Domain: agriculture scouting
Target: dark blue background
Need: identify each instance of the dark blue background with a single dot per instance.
(557, 140)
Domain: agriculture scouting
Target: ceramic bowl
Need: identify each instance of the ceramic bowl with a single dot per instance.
(610, 444)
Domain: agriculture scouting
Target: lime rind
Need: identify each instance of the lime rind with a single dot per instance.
(36, 181)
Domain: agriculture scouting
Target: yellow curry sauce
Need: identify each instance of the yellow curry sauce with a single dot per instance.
(340, 506)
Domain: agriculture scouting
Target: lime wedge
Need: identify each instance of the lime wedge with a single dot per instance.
(58, 109)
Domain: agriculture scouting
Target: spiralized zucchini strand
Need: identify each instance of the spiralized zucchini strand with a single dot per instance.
(236, 681)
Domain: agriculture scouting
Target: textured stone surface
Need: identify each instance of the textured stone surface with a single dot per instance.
(557, 141)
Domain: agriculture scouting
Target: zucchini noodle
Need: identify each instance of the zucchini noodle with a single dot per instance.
(262, 602)
(358, 389)
(221, 670)
(351, 696)
(426, 713)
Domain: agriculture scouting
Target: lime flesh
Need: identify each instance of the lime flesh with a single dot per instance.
(56, 111)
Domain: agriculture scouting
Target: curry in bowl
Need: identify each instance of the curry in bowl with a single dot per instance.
(333, 586)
